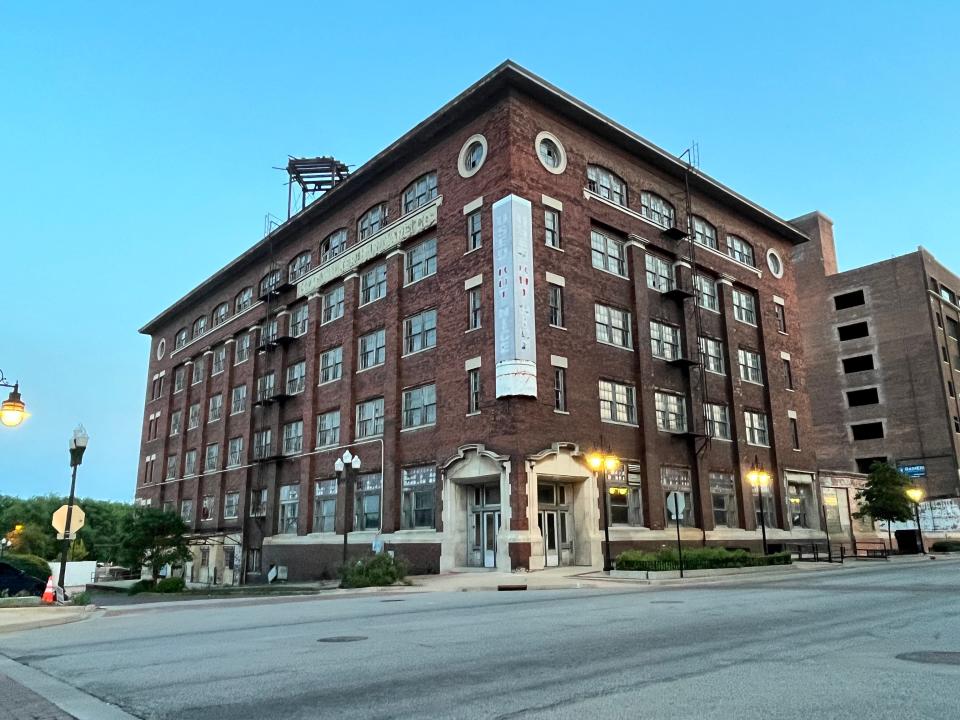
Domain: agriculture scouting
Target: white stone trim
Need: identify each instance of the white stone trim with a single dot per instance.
(784, 355)
(472, 363)
(544, 135)
(779, 300)
(462, 168)
(792, 414)
(473, 205)
(555, 279)
(558, 361)
(551, 202)
(473, 282)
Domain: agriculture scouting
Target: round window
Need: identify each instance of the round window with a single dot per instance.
(472, 155)
(161, 349)
(775, 263)
(550, 153)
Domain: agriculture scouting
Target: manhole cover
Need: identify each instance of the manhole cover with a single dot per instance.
(933, 658)
(342, 638)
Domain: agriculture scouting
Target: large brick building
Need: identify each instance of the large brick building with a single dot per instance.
(882, 341)
(508, 286)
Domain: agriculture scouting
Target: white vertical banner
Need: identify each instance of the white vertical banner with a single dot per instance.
(513, 308)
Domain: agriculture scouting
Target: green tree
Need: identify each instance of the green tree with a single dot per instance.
(153, 538)
(78, 550)
(884, 497)
(31, 540)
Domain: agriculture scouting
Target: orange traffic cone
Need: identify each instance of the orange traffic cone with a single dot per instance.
(49, 596)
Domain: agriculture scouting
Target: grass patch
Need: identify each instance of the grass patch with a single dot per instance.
(80, 598)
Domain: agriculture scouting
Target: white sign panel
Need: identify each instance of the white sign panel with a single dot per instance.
(513, 310)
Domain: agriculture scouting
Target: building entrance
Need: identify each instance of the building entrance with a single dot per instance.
(556, 523)
(483, 520)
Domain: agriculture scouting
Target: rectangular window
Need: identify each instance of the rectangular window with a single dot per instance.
(373, 349)
(372, 221)
(551, 223)
(171, 467)
(659, 273)
(607, 185)
(328, 429)
(867, 396)
(270, 331)
(243, 348)
(744, 307)
(612, 326)
(420, 192)
(266, 386)
(293, 438)
(473, 308)
(608, 253)
(332, 305)
(369, 486)
(175, 420)
(422, 260)
(756, 424)
(853, 331)
(219, 359)
(750, 369)
(555, 300)
(623, 499)
(740, 250)
(724, 500)
(795, 433)
(420, 332)
(373, 284)
(705, 289)
(953, 328)
(867, 431)
(207, 512)
(263, 444)
(655, 209)
(238, 399)
(235, 452)
(211, 460)
(331, 365)
(190, 463)
(198, 368)
(419, 496)
(473, 383)
(370, 418)
(299, 320)
(787, 374)
(717, 418)
(258, 502)
(420, 406)
(474, 236)
(671, 412)
(157, 388)
(781, 314)
(231, 505)
(804, 512)
(705, 233)
(858, 363)
(253, 560)
(711, 355)
(677, 479)
(296, 378)
(664, 341)
(179, 379)
(186, 511)
(216, 408)
(193, 416)
(325, 506)
(289, 509)
(560, 389)
(617, 402)
(152, 423)
(849, 300)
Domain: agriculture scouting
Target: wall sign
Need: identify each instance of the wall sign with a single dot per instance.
(513, 306)
(914, 471)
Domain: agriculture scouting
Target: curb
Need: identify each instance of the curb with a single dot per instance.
(87, 612)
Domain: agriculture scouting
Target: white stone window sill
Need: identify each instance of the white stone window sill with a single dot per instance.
(560, 327)
(610, 272)
(553, 247)
(471, 414)
(473, 250)
(418, 427)
(328, 382)
(417, 352)
(562, 412)
(614, 345)
(470, 330)
(372, 367)
(619, 422)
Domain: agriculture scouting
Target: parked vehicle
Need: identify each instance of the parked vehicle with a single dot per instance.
(13, 581)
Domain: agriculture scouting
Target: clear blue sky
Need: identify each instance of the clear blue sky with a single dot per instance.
(137, 141)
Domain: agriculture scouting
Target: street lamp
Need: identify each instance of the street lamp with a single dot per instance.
(603, 463)
(759, 479)
(916, 497)
(345, 466)
(13, 411)
(78, 444)
(4, 544)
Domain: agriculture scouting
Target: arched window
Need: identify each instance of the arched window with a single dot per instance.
(705, 233)
(220, 313)
(181, 339)
(333, 244)
(657, 210)
(270, 282)
(420, 192)
(244, 299)
(299, 266)
(372, 221)
(606, 184)
(199, 326)
(740, 250)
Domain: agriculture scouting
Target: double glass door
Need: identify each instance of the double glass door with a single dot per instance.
(484, 520)
(556, 523)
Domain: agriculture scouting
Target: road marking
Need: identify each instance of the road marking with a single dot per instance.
(65, 696)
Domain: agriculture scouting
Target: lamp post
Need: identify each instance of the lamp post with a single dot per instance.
(4, 544)
(78, 443)
(13, 411)
(345, 467)
(916, 497)
(602, 463)
(760, 479)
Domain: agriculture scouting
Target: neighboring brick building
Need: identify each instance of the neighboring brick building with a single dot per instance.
(520, 296)
(882, 342)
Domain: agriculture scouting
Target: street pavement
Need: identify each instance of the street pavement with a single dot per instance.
(812, 645)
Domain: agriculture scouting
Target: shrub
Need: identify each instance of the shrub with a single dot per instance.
(140, 586)
(373, 571)
(80, 598)
(945, 546)
(30, 564)
(696, 559)
(171, 585)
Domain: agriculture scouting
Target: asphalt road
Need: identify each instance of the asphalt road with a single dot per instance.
(821, 645)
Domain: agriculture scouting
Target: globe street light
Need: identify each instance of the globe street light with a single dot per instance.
(916, 497)
(345, 466)
(4, 544)
(759, 479)
(603, 463)
(13, 411)
(78, 444)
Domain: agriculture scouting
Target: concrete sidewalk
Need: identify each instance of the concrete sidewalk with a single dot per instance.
(28, 618)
